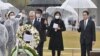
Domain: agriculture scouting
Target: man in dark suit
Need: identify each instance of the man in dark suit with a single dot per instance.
(42, 30)
(32, 20)
(87, 37)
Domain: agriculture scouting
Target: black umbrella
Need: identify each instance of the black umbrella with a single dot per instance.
(44, 3)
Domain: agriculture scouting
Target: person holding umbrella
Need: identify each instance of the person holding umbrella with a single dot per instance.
(87, 37)
(56, 28)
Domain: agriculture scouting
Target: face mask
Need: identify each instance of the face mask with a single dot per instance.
(12, 17)
(38, 15)
(57, 17)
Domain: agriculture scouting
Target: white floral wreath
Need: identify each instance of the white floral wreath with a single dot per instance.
(28, 48)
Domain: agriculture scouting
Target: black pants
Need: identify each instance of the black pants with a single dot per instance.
(58, 53)
(40, 48)
(86, 48)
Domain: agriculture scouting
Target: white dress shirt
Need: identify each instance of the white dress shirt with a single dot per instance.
(39, 19)
(86, 22)
(33, 21)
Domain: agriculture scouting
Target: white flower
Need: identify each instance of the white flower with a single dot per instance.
(30, 28)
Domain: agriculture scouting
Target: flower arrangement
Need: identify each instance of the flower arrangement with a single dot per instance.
(26, 29)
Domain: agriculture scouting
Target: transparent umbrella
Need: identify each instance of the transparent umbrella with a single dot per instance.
(8, 4)
(12, 8)
(79, 4)
(3, 6)
(66, 12)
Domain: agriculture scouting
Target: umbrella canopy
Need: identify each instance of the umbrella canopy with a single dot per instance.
(12, 8)
(80, 3)
(66, 12)
(69, 8)
(3, 6)
(8, 5)
(44, 3)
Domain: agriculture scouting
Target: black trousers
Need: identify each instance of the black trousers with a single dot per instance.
(54, 52)
(86, 48)
(40, 48)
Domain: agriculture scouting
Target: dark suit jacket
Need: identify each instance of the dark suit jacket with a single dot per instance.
(42, 29)
(36, 23)
(87, 34)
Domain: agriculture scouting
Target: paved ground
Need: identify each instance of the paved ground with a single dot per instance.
(71, 38)
(64, 53)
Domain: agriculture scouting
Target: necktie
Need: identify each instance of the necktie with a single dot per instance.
(84, 24)
(38, 20)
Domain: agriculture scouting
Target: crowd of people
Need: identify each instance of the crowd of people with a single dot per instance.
(8, 29)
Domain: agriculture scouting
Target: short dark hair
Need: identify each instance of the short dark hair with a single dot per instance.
(10, 13)
(57, 12)
(86, 12)
(39, 11)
